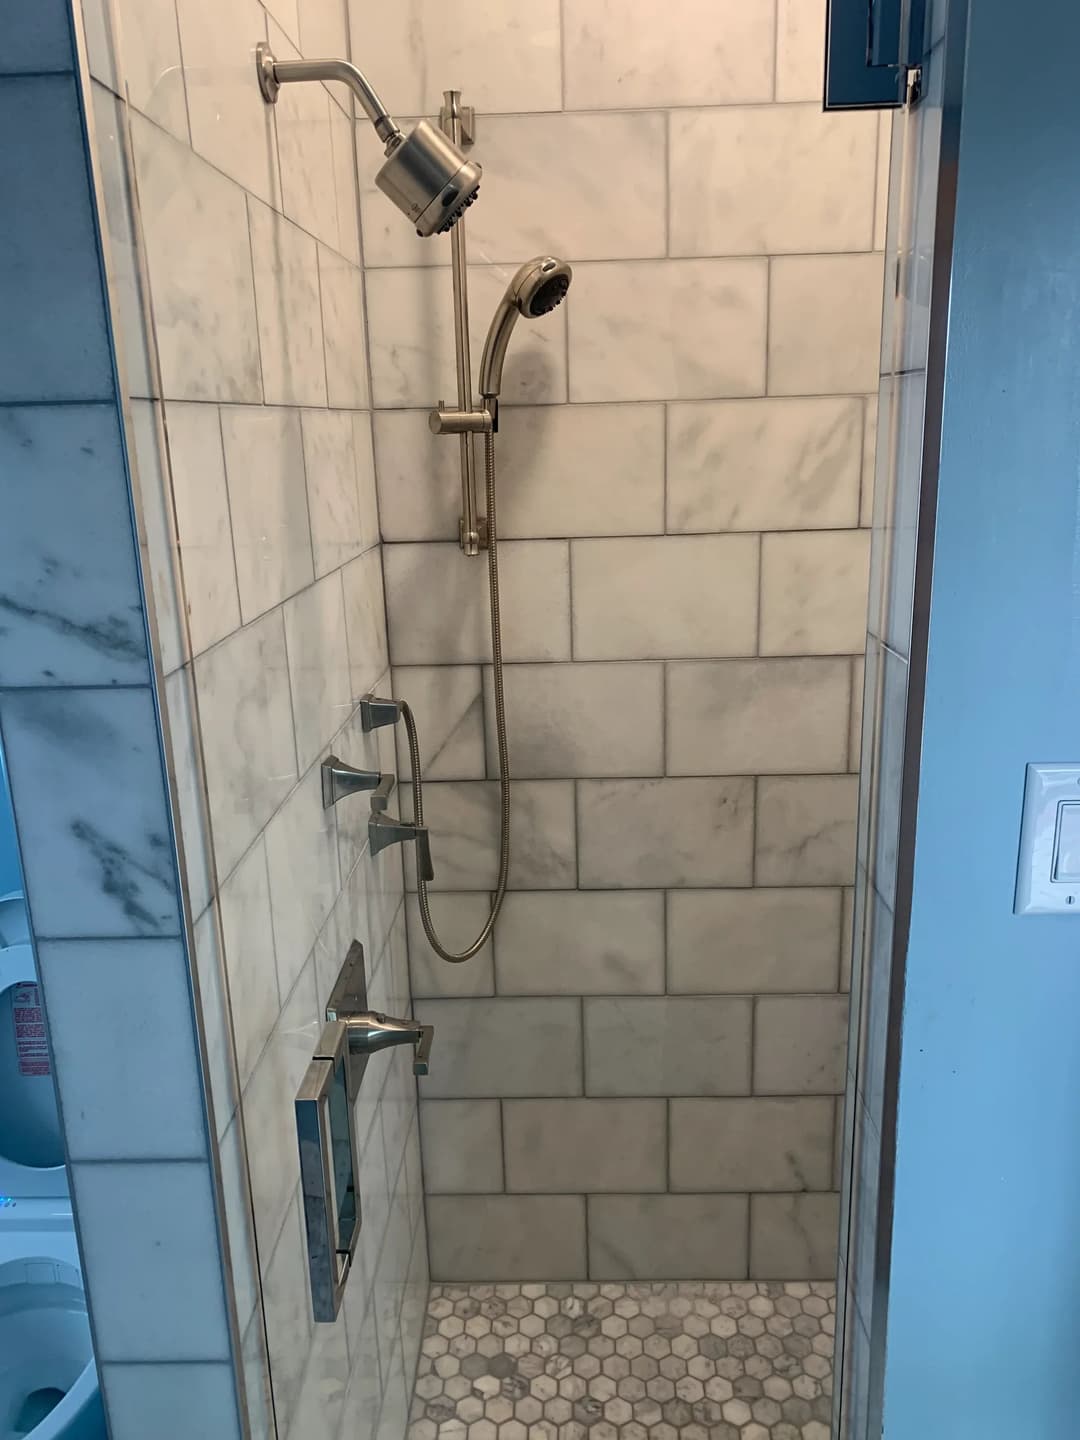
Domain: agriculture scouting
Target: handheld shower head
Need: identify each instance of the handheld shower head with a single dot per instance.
(537, 288)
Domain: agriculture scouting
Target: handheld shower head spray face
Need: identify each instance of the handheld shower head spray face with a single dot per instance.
(536, 289)
(429, 179)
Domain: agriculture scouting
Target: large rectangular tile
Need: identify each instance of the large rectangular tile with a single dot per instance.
(764, 464)
(344, 327)
(751, 1144)
(643, 833)
(772, 179)
(813, 592)
(576, 470)
(458, 921)
(302, 858)
(749, 941)
(728, 717)
(793, 1237)
(667, 1046)
(800, 1043)
(247, 730)
(203, 527)
(70, 603)
(806, 830)
(447, 701)
(503, 1048)
(208, 969)
(689, 52)
(577, 942)
(607, 163)
(666, 597)
(411, 335)
(195, 229)
(463, 818)
(800, 50)
(318, 666)
(189, 810)
(287, 1313)
(335, 460)
(824, 324)
(306, 151)
(562, 1146)
(89, 793)
(462, 1146)
(264, 465)
(648, 329)
(172, 1402)
(365, 620)
(124, 1210)
(248, 935)
(140, 1100)
(50, 282)
(667, 1237)
(516, 1237)
(454, 628)
(286, 272)
(156, 531)
(589, 720)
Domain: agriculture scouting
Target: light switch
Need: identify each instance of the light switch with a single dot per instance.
(1048, 875)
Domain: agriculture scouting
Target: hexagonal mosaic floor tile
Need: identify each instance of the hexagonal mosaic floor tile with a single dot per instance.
(689, 1361)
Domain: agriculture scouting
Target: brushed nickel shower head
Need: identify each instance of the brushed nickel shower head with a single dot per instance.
(536, 289)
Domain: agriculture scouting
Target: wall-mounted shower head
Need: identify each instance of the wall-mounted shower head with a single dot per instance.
(537, 288)
(425, 174)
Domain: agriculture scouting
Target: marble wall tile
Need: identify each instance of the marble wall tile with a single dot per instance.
(289, 1325)
(772, 180)
(870, 434)
(123, 1212)
(342, 141)
(37, 39)
(517, 1237)
(209, 972)
(248, 934)
(667, 597)
(70, 605)
(751, 1144)
(580, 942)
(243, 1261)
(411, 333)
(765, 464)
(302, 856)
(344, 327)
(813, 592)
(168, 1400)
(318, 666)
(264, 463)
(507, 59)
(190, 812)
(806, 830)
(155, 519)
(750, 941)
(462, 1146)
(330, 464)
(563, 470)
(458, 921)
(287, 301)
(364, 454)
(305, 151)
(247, 727)
(273, 1164)
(503, 1047)
(365, 620)
(728, 717)
(439, 609)
(447, 701)
(569, 720)
(50, 284)
(194, 225)
(800, 50)
(555, 1146)
(204, 529)
(690, 52)
(793, 1236)
(320, 1399)
(287, 15)
(644, 833)
(677, 1045)
(667, 1237)
(324, 27)
(799, 1044)
(668, 329)
(528, 206)
(363, 1394)
(824, 324)
(141, 1100)
(86, 779)
(463, 817)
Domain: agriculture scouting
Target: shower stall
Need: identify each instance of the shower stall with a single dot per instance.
(513, 780)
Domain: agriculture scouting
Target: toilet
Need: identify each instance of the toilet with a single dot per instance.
(48, 1381)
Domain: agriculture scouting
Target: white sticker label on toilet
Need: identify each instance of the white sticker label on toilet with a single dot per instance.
(31, 1046)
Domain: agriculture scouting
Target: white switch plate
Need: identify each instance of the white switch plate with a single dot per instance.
(1047, 842)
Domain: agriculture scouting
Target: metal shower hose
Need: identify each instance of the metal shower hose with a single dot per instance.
(500, 730)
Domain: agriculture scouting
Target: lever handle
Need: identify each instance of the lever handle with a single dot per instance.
(422, 1057)
(380, 798)
(340, 779)
(375, 712)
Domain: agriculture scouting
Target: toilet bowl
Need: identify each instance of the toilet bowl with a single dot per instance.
(48, 1380)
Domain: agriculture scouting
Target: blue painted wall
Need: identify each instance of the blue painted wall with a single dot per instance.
(984, 1311)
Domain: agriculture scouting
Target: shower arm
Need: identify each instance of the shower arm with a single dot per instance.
(274, 73)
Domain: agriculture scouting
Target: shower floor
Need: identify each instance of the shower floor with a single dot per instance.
(702, 1360)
